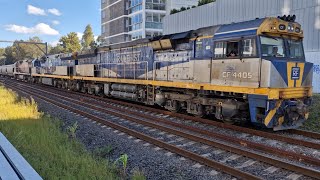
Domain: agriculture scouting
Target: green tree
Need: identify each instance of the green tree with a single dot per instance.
(70, 43)
(99, 40)
(1, 51)
(203, 2)
(20, 50)
(56, 49)
(32, 51)
(87, 38)
(173, 11)
(2, 57)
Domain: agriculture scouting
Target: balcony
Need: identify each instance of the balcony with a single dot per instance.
(154, 25)
(153, 6)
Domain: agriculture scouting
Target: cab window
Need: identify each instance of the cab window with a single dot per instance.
(227, 49)
(249, 47)
(236, 48)
(295, 49)
(272, 47)
(232, 49)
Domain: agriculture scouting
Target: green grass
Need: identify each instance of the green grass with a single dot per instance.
(53, 154)
(313, 123)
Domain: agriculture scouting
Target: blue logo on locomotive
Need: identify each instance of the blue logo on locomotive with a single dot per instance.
(295, 73)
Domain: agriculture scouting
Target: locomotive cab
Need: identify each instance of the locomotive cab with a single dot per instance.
(285, 72)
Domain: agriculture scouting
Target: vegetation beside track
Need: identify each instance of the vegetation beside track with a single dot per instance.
(313, 123)
(53, 154)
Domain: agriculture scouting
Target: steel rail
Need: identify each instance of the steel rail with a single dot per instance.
(216, 124)
(267, 149)
(172, 148)
(306, 133)
(303, 170)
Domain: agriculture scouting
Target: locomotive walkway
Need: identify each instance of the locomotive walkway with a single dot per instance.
(12, 165)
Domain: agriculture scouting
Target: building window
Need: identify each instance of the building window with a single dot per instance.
(103, 30)
(103, 14)
(155, 5)
(150, 34)
(134, 6)
(153, 20)
(135, 22)
(136, 35)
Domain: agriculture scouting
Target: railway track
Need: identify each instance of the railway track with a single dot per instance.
(204, 137)
(185, 117)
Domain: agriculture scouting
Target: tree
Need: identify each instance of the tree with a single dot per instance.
(2, 57)
(99, 40)
(56, 49)
(182, 9)
(20, 51)
(203, 2)
(32, 51)
(87, 38)
(70, 43)
(173, 11)
(1, 51)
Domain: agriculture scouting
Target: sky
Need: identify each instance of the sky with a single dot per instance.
(47, 19)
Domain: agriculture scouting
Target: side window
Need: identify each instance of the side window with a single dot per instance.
(220, 50)
(227, 49)
(235, 48)
(249, 47)
(232, 49)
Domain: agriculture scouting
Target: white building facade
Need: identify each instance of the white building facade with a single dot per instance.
(127, 20)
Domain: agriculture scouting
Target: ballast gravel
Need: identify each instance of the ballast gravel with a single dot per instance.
(155, 164)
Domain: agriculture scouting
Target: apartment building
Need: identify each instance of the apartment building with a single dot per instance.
(127, 20)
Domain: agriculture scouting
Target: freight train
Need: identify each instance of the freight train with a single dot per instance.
(249, 71)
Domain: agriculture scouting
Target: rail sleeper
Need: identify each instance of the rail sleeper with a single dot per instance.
(12, 164)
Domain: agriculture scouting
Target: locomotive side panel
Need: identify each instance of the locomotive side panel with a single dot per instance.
(235, 72)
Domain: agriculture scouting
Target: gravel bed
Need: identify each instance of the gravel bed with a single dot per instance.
(257, 169)
(154, 163)
(273, 143)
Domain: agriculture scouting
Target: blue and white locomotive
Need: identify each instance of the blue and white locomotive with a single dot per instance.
(253, 70)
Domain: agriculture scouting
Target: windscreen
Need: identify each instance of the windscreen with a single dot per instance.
(295, 48)
(272, 47)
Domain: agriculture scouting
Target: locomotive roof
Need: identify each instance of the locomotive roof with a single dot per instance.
(268, 25)
(205, 31)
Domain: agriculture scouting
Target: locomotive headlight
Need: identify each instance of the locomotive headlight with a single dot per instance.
(297, 30)
(282, 27)
(290, 28)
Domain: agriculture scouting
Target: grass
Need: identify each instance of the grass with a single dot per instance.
(52, 153)
(313, 123)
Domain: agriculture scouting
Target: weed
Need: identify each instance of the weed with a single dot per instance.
(40, 140)
(313, 123)
(138, 175)
(72, 129)
(103, 151)
(123, 159)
